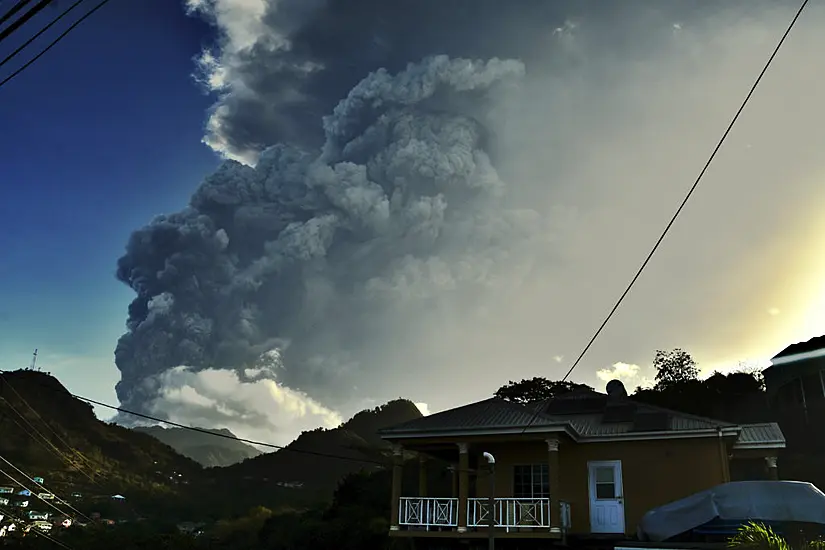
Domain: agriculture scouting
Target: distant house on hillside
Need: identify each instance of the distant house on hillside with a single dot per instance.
(38, 480)
(45, 496)
(24, 493)
(118, 497)
(6, 490)
(38, 515)
(22, 504)
(583, 463)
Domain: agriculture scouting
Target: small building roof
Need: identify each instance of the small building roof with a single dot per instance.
(584, 416)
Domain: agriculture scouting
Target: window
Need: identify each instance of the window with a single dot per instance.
(531, 481)
(605, 482)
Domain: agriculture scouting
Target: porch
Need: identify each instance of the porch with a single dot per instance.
(523, 503)
(434, 516)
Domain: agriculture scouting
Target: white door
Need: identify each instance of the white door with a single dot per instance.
(606, 496)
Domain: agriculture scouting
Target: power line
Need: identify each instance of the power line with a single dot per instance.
(32, 493)
(234, 438)
(36, 530)
(53, 42)
(40, 485)
(242, 440)
(85, 460)
(684, 201)
(51, 447)
(16, 8)
(40, 32)
(16, 24)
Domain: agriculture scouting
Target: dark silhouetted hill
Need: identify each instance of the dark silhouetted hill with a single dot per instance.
(207, 450)
(300, 474)
(46, 432)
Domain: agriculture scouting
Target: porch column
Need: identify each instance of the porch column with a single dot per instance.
(422, 475)
(555, 485)
(397, 475)
(773, 471)
(463, 486)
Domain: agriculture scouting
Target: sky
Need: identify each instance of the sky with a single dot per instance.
(566, 158)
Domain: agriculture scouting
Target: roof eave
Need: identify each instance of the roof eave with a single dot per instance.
(759, 446)
(660, 435)
(486, 431)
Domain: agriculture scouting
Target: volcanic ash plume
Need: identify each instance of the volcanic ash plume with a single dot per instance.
(302, 269)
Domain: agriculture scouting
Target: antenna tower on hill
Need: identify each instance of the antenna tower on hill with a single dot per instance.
(34, 360)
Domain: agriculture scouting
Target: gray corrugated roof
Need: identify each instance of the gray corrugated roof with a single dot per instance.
(490, 413)
(767, 433)
(495, 413)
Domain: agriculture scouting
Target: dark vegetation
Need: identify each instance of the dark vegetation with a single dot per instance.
(339, 504)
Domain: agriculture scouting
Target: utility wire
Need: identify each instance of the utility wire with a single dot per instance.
(17, 23)
(684, 201)
(40, 32)
(36, 530)
(16, 8)
(43, 441)
(242, 440)
(40, 485)
(53, 42)
(234, 438)
(43, 421)
(33, 494)
(51, 447)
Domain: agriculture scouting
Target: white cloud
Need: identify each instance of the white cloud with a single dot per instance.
(261, 410)
(630, 374)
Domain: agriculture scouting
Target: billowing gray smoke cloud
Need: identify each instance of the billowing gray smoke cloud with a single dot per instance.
(304, 252)
(294, 59)
(432, 230)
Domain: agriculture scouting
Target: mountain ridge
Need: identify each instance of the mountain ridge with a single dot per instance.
(207, 450)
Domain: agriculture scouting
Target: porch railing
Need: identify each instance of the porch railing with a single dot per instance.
(509, 513)
(428, 512)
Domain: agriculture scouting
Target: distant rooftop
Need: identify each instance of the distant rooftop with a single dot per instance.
(808, 346)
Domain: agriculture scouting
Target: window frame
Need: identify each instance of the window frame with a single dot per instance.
(535, 476)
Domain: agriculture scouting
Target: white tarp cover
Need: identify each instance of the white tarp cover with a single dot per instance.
(772, 501)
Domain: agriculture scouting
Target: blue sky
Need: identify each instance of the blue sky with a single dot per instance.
(104, 132)
(98, 136)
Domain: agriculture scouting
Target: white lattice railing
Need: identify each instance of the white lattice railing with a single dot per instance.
(428, 512)
(509, 512)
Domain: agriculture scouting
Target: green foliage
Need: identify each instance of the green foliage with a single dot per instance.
(757, 536)
(536, 389)
(674, 367)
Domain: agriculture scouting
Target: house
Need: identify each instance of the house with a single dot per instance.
(795, 389)
(586, 463)
(4, 501)
(38, 480)
(45, 496)
(24, 493)
(6, 490)
(38, 515)
(118, 497)
(22, 504)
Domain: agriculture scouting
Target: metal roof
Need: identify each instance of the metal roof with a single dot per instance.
(498, 415)
(766, 434)
(490, 413)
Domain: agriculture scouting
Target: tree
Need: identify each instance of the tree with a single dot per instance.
(536, 389)
(674, 367)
